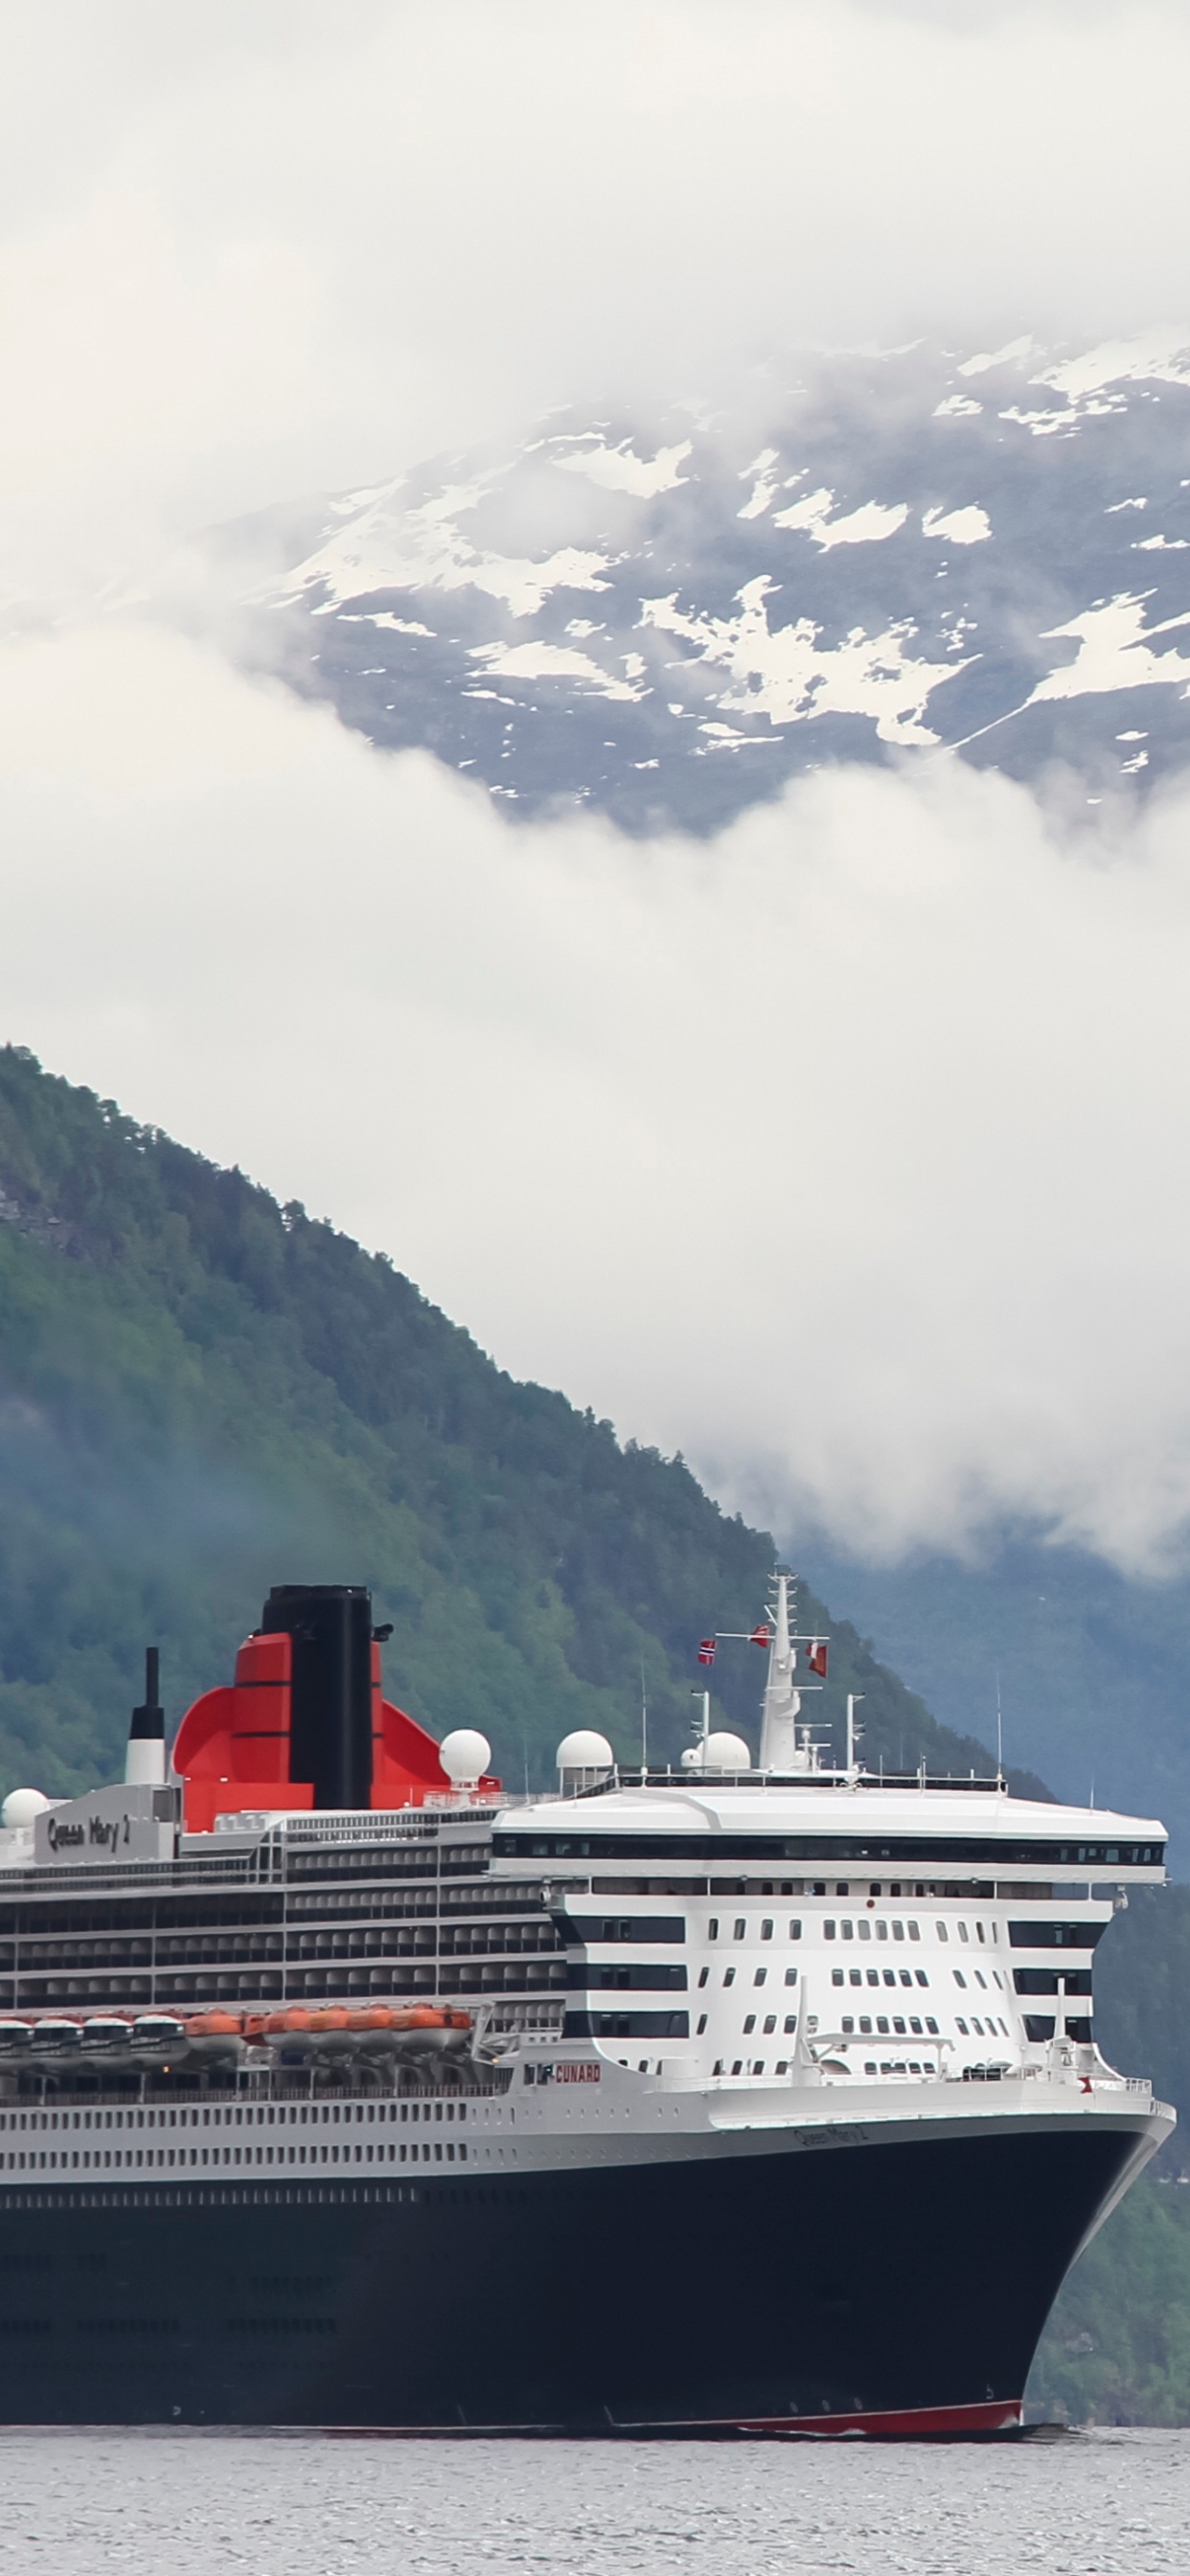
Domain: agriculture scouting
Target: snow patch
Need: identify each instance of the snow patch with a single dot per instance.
(978, 366)
(873, 520)
(965, 527)
(764, 484)
(540, 661)
(957, 407)
(1114, 651)
(425, 549)
(788, 676)
(1163, 355)
(619, 469)
(1159, 545)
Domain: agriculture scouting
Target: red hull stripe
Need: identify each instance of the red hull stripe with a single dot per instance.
(920, 2423)
(994, 2416)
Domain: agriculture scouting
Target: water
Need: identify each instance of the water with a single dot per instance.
(187, 2504)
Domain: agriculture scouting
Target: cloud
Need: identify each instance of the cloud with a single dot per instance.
(843, 1152)
(245, 254)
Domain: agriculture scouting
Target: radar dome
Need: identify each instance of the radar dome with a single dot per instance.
(21, 1806)
(720, 1753)
(583, 1758)
(464, 1756)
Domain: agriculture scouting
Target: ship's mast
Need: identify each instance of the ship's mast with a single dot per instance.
(781, 1747)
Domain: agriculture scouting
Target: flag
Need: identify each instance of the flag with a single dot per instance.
(761, 1636)
(816, 1653)
(706, 1651)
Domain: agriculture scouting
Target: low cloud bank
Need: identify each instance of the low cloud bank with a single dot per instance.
(845, 1153)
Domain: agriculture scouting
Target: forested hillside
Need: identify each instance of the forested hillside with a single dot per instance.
(203, 1393)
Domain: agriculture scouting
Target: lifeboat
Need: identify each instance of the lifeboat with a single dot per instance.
(16, 2037)
(55, 2038)
(217, 2037)
(104, 2039)
(158, 2040)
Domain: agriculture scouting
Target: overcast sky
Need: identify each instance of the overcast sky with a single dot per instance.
(844, 1153)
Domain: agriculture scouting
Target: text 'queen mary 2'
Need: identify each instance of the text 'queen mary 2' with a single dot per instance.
(338, 2088)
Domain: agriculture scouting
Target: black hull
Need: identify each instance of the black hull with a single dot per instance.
(899, 2284)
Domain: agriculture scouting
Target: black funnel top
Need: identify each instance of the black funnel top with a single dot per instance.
(148, 1721)
(330, 1735)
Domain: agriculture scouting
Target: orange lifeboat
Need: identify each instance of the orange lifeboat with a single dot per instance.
(217, 2036)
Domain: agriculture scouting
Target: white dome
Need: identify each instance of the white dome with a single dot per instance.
(721, 1753)
(21, 1806)
(465, 1756)
(585, 1751)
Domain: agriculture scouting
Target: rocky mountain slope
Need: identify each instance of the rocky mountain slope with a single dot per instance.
(906, 556)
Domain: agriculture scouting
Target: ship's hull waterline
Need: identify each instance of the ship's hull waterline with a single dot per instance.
(890, 2284)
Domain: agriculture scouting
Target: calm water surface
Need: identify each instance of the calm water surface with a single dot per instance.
(178, 2504)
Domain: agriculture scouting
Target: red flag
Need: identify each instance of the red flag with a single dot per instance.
(816, 1653)
(761, 1636)
(706, 1651)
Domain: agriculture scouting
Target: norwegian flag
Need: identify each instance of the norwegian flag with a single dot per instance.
(761, 1636)
(706, 1651)
(816, 1653)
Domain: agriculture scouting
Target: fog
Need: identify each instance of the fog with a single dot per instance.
(249, 253)
(843, 1153)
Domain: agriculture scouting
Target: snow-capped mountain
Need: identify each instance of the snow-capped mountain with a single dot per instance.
(915, 556)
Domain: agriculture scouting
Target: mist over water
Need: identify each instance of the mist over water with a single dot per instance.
(197, 2504)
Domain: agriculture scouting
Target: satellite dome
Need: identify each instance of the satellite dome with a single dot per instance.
(21, 1806)
(464, 1755)
(720, 1753)
(583, 1758)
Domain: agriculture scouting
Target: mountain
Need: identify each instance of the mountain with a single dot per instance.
(882, 558)
(202, 1393)
(1092, 1667)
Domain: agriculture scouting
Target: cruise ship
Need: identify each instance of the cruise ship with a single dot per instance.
(748, 2096)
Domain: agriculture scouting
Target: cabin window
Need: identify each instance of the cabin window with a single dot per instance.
(713, 1928)
(790, 2022)
(795, 1928)
(729, 1976)
(931, 2026)
(958, 1976)
(739, 1928)
(980, 1979)
(855, 1976)
(915, 2024)
(703, 1974)
(960, 2024)
(749, 2024)
(848, 1931)
(837, 1976)
(921, 1976)
(770, 2023)
(865, 1928)
(759, 1978)
(737, 2066)
(882, 2025)
(913, 1931)
(898, 1931)
(848, 2023)
(979, 1929)
(702, 2023)
(865, 2023)
(899, 2025)
(791, 1976)
(881, 1928)
(766, 1929)
(943, 1934)
(964, 1935)
(828, 1931)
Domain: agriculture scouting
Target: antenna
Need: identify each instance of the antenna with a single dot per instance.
(999, 1730)
(853, 1700)
(644, 1720)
